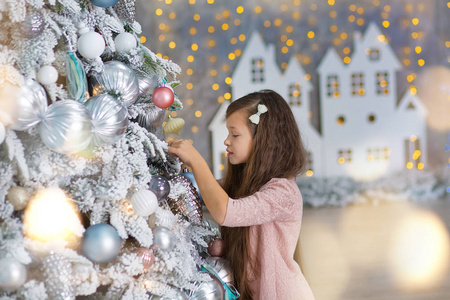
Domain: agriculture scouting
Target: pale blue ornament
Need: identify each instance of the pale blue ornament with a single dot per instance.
(101, 243)
(104, 3)
(66, 127)
(109, 118)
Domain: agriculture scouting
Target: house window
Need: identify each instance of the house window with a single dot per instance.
(358, 84)
(344, 155)
(340, 120)
(412, 153)
(371, 118)
(257, 70)
(295, 94)
(373, 54)
(333, 86)
(377, 154)
(382, 83)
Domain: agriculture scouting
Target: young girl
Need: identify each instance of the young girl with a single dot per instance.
(258, 202)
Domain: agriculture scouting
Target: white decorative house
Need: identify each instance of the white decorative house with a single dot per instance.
(366, 132)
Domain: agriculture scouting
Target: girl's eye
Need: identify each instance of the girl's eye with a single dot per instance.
(234, 135)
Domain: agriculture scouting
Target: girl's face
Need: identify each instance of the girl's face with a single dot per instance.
(240, 139)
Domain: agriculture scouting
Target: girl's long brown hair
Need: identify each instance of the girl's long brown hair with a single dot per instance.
(277, 152)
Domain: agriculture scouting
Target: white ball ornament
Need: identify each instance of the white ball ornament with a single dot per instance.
(91, 45)
(125, 41)
(13, 274)
(18, 196)
(47, 75)
(144, 202)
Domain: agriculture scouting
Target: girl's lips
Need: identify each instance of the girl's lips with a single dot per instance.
(229, 153)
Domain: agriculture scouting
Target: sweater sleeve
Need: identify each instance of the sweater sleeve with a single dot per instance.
(277, 200)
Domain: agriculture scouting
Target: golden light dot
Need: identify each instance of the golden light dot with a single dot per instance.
(406, 62)
(267, 23)
(237, 22)
(215, 86)
(284, 65)
(196, 17)
(352, 7)
(409, 165)
(383, 83)
(370, 158)
(213, 58)
(289, 29)
(192, 2)
(415, 21)
(225, 26)
(387, 8)
(360, 22)
(194, 47)
(159, 12)
(211, 29)
(220, 99)
(189, 86)
(360, 10)
(420, 166)
(309, 173)
(336, 94)
(190, 101)
(283, 38)
(231, 56)
(376, 2)
(307, 60)
(227, 96)
(190, 58)
(211, 43)
(213, 73)
(344, 35)
(143, 39)
(408, 8)
(233, 41)
(313, 7)
(228, 80)
(168, 2)
(414, 35)
(194, 129)
(162, 26)
(192, 30)
(311, 34)
(361, 91)
(413, 90)
(381, 38)
(225, 67)
(333, 14)
(416, 154)
(421, 62)
(386, 23)
(351, 18)
(189, 71)
(384, 15)
(159, 54)
(221, 166)
(238, 52)
(407, 50)
(242, 37)
(218, 17)
(346, 50)
(336, 41)
(239, 9)
(226, 13)
(172, 15)
(333, 28)
(331, 2)
(418, 49)
(285, 49)
(297, 2)
(447, 44)
(289, 42)
(198, 114)
(277, 22)
(210, 1)
(410, 78)
(307, 76)
(347, 59)
(258, 9)
(172, 45)
(296, 15)
(341, 160)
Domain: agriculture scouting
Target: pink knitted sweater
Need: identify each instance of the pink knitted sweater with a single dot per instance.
(274, 215)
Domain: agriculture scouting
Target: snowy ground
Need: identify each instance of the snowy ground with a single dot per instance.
(388, 250)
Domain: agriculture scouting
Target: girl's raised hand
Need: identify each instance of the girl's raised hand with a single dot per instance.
(185, 151)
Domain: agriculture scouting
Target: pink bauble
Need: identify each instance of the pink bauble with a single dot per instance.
(163, 97)
(148, 258)
(216, 248)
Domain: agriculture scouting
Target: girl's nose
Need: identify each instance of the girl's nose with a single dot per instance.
(226, 142)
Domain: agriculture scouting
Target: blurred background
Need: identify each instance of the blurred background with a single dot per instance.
(385, 244)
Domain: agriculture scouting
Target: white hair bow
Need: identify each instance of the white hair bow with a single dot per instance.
(255, 117)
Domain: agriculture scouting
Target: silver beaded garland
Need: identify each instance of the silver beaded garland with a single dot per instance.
(57, 271)
(126, 10)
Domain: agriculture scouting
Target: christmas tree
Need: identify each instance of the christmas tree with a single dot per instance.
(91, 203)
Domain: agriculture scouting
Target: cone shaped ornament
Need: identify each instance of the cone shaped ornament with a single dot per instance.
(184, 199)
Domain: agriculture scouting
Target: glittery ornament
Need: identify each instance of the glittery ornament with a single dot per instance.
(126, 10)
(57, 271)
(116, 79)
(160, 186)
(33, 25)
(174, 126)
(163, 97)
(216, 247)
(163, 238)
(190, 176)
(184, 199)
(222, 268)
(18, 196)
(13, 274)
(210, 290)
(148, 258)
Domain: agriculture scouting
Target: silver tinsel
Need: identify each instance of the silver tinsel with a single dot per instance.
(126, 10)
(57, 271)
(184, 199)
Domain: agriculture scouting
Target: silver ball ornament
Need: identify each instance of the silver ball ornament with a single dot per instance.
(163, 238)
(66, 127)
(222, 268)
(210, 290)
(147, 84)
(109, 119)
(144, 202)
(33, 25)
(160, 186)
(101, 243)
(18, 196)
(31, 105)
(116, 79)
(13, 274)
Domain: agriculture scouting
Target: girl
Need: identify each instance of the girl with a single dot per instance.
(258, 202)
